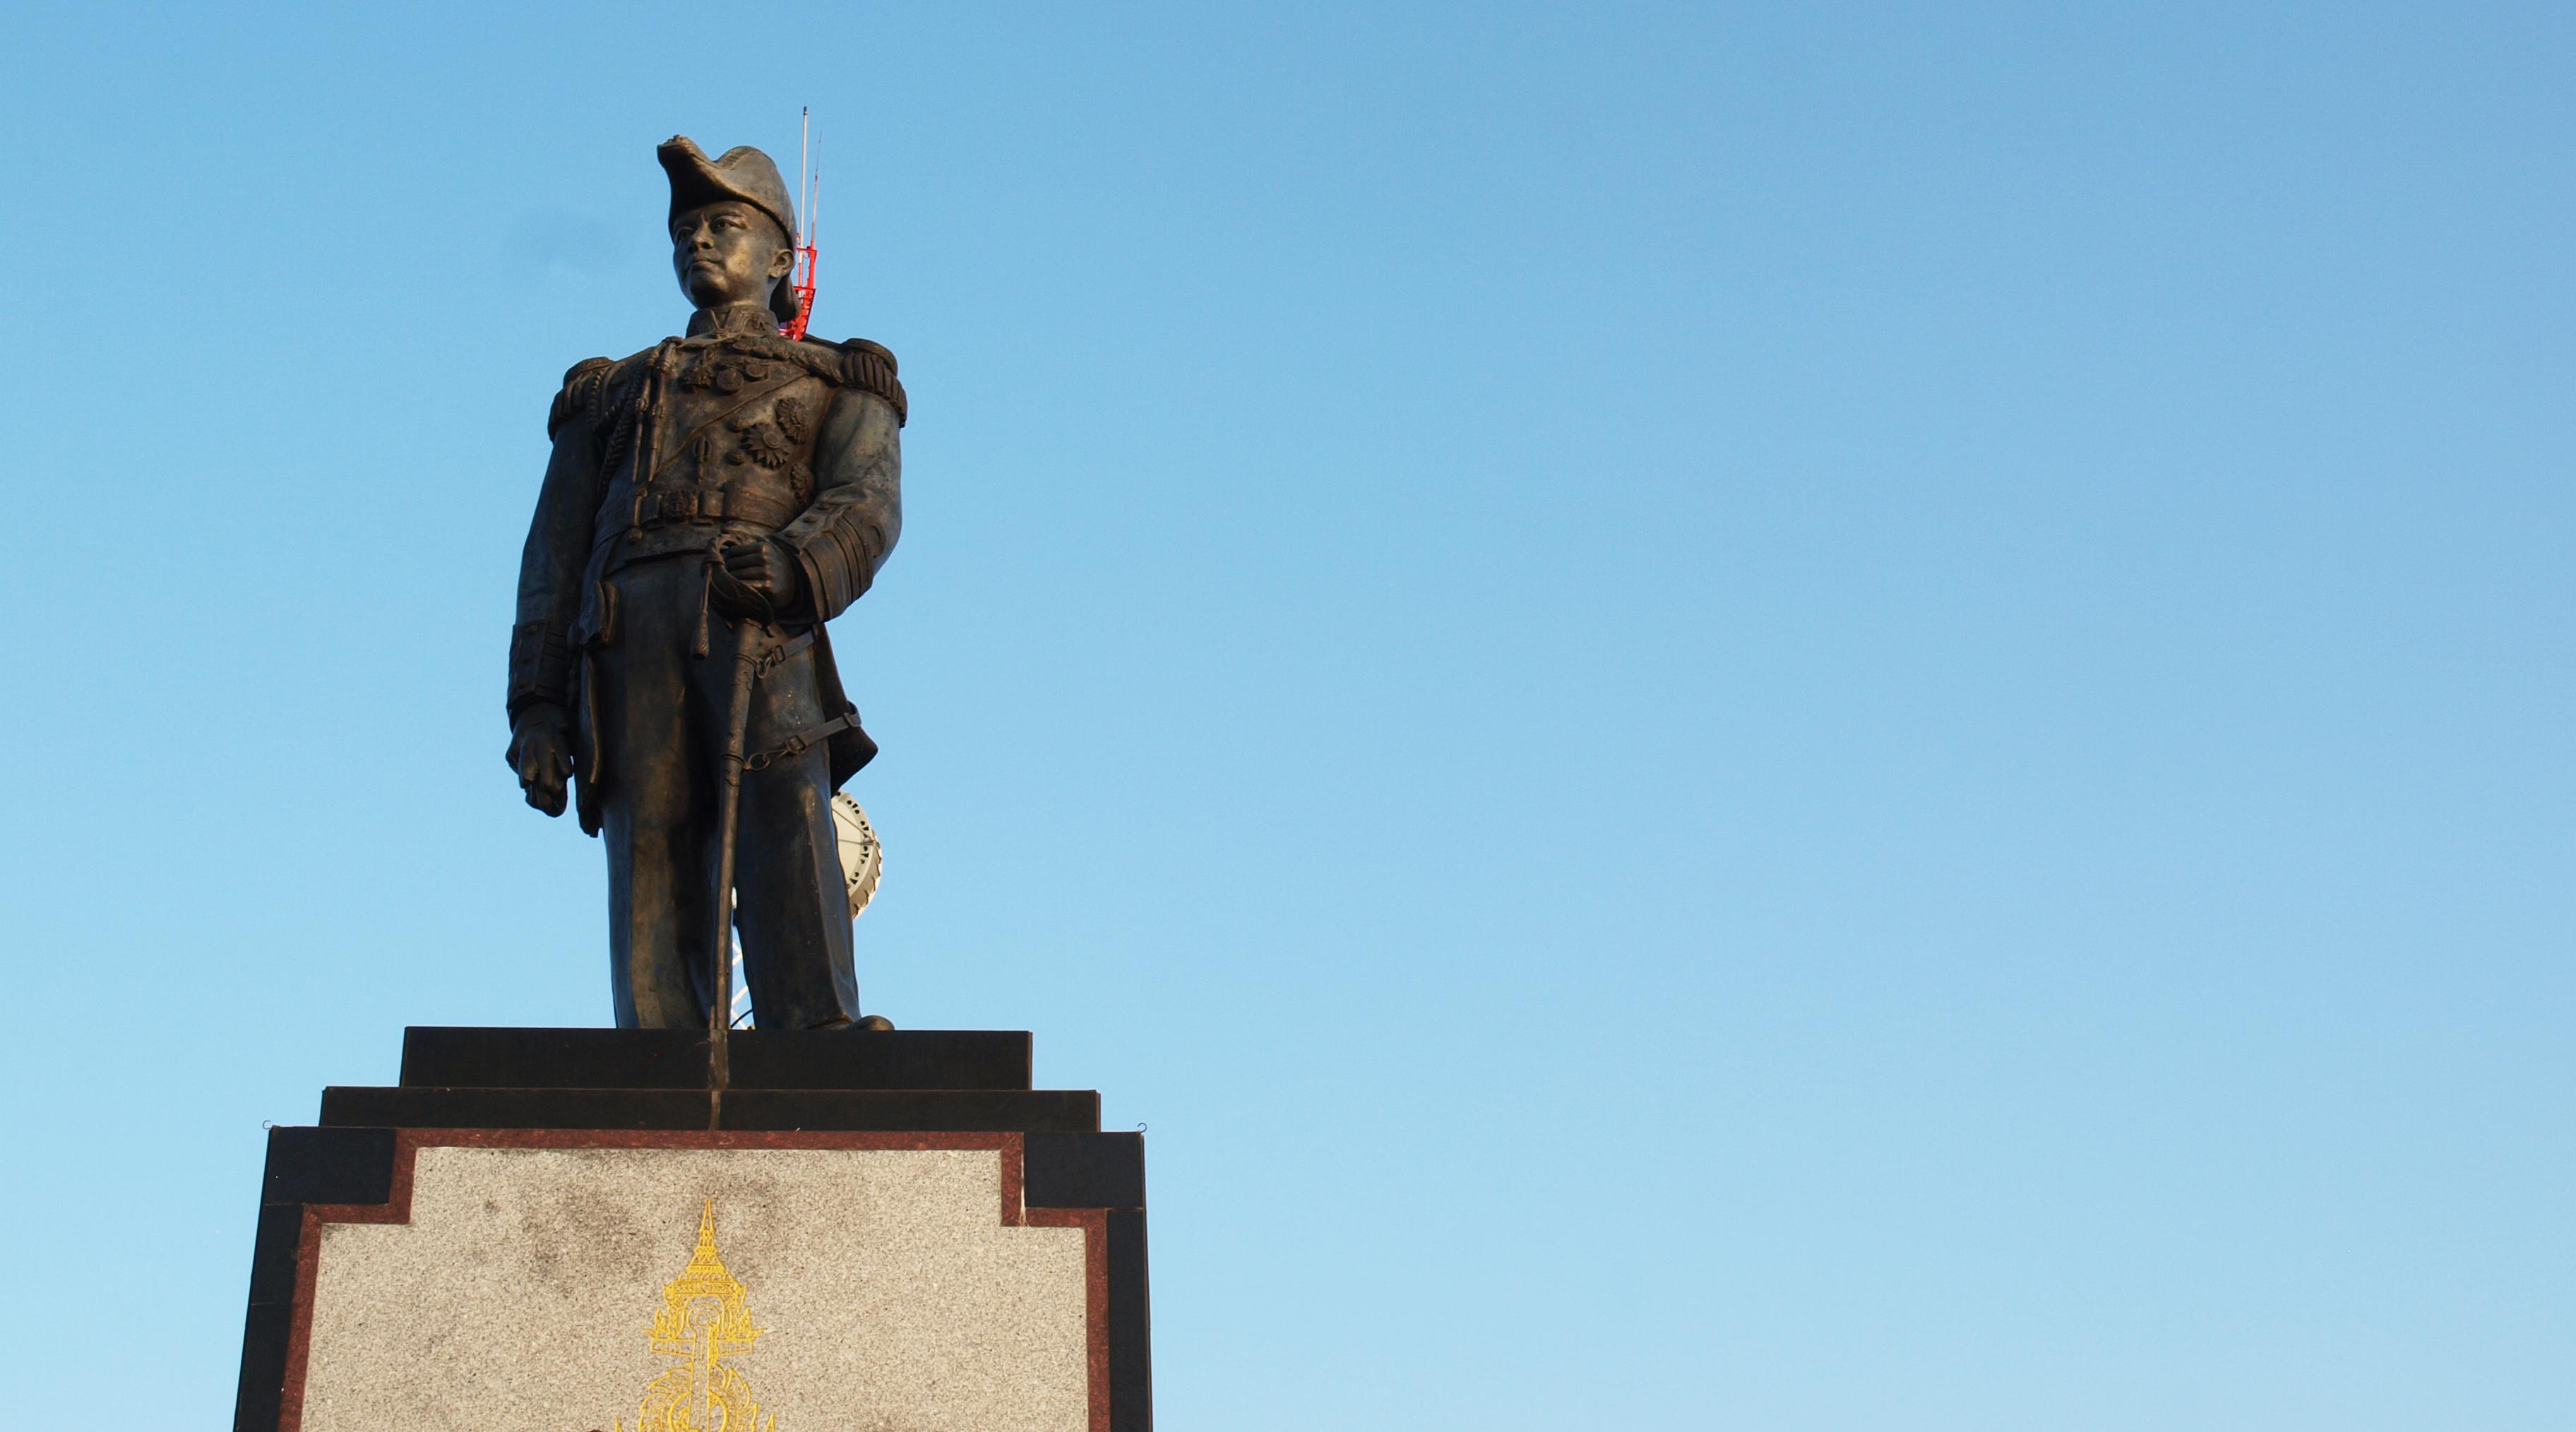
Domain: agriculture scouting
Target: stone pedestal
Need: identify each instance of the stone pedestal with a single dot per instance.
(561, 1230)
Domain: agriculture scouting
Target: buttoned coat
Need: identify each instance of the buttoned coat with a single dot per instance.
(730, 431)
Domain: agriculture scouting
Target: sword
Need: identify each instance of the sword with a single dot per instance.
(746, 665)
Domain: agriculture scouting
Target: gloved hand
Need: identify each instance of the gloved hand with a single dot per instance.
(541, 752)
(757, 579)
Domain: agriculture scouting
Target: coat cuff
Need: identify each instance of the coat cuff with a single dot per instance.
(540, 667)
(837, 567)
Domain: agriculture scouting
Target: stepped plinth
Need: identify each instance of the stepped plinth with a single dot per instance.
(914, 1237)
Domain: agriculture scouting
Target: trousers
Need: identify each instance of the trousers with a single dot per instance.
(659, 732)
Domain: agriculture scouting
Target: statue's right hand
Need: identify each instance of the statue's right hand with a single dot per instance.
(541, 752)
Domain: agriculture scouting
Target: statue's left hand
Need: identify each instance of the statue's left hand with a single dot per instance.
(765, 567)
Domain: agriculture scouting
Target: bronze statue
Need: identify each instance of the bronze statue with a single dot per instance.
(711, 502)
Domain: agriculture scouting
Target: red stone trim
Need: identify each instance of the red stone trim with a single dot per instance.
(409, 1142)
(1094, 1224)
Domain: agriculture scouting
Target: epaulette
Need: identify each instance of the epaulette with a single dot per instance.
(580, 392)
(871, 366)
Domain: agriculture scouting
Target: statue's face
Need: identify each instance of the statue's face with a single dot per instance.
(728, 252)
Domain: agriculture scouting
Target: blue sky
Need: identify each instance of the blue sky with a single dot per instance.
(1853, 717)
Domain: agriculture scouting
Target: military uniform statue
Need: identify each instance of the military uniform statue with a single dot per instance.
(710, 503)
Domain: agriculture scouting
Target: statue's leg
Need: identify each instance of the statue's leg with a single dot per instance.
(793, 911)
(659, 816)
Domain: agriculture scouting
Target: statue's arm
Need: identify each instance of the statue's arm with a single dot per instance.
(550, 568)
(842, 538)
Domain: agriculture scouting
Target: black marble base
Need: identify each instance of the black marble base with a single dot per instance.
(1064, 1111)
(436, 1056)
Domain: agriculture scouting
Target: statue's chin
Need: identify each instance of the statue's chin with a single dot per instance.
(706, 295)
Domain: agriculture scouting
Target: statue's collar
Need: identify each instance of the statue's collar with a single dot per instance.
(734, 320)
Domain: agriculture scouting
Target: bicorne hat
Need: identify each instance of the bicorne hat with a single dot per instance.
(743, 174)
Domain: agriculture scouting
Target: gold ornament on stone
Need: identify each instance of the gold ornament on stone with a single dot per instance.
(703, 1321)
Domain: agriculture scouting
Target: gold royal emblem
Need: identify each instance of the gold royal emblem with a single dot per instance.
(703, 1321)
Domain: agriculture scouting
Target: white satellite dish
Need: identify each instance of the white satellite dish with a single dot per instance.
(862, 868)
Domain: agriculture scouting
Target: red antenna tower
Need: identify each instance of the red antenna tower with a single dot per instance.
(809, 163)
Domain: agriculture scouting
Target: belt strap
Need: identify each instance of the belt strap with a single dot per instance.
(784, 650)
(812, 736)
(802, 742)
(673, 506)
